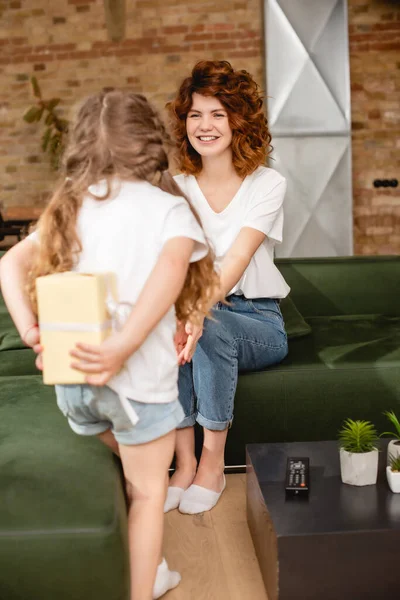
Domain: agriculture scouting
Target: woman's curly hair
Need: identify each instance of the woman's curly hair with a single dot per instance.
(119, 135)
(241, 97)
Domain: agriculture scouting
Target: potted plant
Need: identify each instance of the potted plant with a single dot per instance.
(358, 452)
(393, 473)
(394, 445)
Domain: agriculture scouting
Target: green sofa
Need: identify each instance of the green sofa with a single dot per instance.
(62, 506)
(348, 365)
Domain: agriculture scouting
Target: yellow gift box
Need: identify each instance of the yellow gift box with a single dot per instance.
(72, 308)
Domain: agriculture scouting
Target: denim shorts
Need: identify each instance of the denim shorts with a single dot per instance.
(91, 410)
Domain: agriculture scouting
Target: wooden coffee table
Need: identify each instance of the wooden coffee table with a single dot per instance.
(341, 543)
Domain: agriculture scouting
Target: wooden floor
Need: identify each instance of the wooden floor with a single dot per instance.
(213, 551)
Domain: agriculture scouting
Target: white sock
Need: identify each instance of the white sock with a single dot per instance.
(198, 499)
(174, 496)
(165, 580)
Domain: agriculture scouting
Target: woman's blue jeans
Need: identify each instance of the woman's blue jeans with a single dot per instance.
(248, 335)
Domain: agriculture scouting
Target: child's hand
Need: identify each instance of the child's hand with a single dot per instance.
(32, 338)
(39, 359)
(102, 362)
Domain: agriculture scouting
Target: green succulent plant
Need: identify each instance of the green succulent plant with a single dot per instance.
(358, 436)
(53, 139)
(390, 414)
(394, 462)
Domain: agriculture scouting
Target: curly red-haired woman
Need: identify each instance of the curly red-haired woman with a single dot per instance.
(223, 141)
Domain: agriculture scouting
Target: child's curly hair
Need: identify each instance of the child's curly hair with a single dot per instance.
(241, 97)
(115, 134)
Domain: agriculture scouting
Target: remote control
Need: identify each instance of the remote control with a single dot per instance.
(297, 476)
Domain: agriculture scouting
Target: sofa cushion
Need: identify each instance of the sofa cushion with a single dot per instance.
(348, 342)
(15, 357)
(295, 325)
(9, 337)
(17, 362)
(349, 366)
(62, 510)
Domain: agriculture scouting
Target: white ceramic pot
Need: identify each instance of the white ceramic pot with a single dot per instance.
(359, 468)
(393, 450)
(393, 480)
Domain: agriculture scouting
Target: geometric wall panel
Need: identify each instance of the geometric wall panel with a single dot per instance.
(308, 89)
(318, 203)
(307, 66)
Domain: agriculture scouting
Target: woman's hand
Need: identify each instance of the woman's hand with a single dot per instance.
(194, 333)
(100, 362)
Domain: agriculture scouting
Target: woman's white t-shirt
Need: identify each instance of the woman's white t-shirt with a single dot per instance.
(257, 204)
(125, 235)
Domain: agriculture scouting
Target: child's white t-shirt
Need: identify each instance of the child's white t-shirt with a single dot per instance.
(257, 204)
(125, 235)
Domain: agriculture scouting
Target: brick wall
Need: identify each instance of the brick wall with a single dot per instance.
(375, 96)
(66, 46)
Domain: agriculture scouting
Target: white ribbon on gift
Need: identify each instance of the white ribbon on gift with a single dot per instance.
(119, 313)
(79, 327)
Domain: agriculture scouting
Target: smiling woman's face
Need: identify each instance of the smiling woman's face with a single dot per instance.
(207, 126)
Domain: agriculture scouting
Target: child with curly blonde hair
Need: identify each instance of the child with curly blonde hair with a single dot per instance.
(117, 209)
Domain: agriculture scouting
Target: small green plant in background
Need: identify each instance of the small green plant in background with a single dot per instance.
(394, 462)
(358, 436)
(395, 422)
(53, 139)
